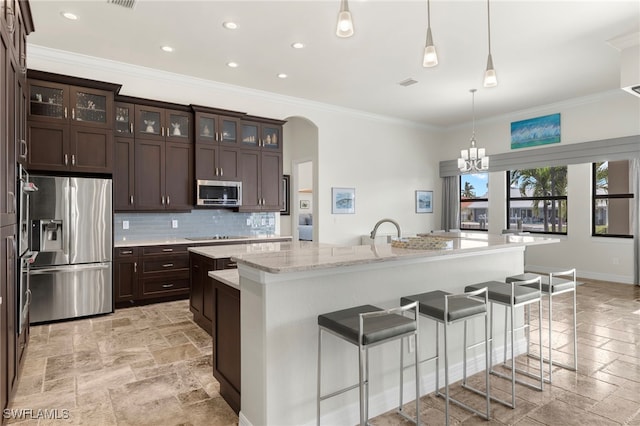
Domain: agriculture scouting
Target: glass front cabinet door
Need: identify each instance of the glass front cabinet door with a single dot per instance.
(123, 126)
(178, 126)
(250, 135)
(48, 102)
(149, 123)
(90, 108)
(271, 137)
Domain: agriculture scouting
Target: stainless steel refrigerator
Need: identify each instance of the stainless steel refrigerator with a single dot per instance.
(71, 229)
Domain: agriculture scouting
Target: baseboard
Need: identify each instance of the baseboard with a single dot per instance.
(243, 421)
(622, 279)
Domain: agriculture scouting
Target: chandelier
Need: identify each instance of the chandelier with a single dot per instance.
(473, 159)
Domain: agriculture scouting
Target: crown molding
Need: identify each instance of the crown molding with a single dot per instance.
(50, 55)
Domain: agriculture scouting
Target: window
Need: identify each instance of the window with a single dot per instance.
(537, 200)
(474, 201)
(612, 206)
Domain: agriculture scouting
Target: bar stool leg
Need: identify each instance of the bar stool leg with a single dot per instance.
(540, 338)
(417, 357)
(401, 373)
(366, 400)
(550, 325)
(575, 332)
(513, 359)
(446, 374)
(319, 375)
(361, 375)
(437, 359)
(487, 361)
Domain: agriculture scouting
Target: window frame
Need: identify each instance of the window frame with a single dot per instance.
(595, 197)
(559, 198)
(460, 201)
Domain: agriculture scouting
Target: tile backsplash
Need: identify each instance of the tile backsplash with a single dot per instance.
(197, 223)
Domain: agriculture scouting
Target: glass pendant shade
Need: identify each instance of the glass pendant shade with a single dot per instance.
(430, 55)
(345, 23)
(490, 77)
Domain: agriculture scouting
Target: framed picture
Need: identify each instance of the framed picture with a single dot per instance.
(285, 211)
(535, 131)
(305, 204)
(424, 201)
(343, 200)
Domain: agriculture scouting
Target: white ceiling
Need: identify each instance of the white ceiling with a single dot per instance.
(544, 51)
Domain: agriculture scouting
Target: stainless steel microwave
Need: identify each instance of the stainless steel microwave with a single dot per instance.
(219, 193)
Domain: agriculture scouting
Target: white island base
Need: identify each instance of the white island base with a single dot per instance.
(279, 332)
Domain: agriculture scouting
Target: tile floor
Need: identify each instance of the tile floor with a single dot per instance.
(151, 365)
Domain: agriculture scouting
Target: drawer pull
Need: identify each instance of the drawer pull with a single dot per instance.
(167, 285)
(232, 265)
(167, 249)
(135, 267)
(126, 252)
(168, 265)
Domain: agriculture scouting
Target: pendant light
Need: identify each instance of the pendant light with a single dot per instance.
(490, 77)
(345, 23)
(430, 58)
(473, 159)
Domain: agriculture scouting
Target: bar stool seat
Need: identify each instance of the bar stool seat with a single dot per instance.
(559, 284)
(366, 326)
(346, 323)
(446, 308)
(501, 292)
(553, 284)
(513, 295)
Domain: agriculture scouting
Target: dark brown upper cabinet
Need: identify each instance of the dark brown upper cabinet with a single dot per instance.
(123, 126)
(162, 124)
(217, 144)
(261, 133)
(69, 126)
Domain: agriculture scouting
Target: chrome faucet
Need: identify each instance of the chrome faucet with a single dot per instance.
(380, 222)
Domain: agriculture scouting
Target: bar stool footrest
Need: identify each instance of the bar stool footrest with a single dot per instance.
(559, 364)
(463, 405)
(403, 415)
(525, 373)
(492, 398)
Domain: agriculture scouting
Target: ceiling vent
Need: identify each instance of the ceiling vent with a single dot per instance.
(408, 82)
(129, 4)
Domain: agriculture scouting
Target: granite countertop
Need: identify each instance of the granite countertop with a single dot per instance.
(164, 241)
(301, 258)
(229, 277)
(240, 250)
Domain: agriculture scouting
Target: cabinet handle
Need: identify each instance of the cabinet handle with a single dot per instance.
(11, 25)
(73, 159)
(65, 112)
(217, 137)
(167, 249)
(135, 267)
(168, 265)
(167, 285)
(131, 200)
(23, 143)
(13, 197)
(162, 130)
(66, 160)
(163, 200)
(232, 265)
(131, 127)
(221, 172)
(28, 303)
(23, 63)
(126, 252)
(168, 200)
(73, 113)
(216, 171)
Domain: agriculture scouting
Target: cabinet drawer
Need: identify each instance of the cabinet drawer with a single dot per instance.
(153, 250)
(179, 262)
(159, 287)
(225, 263)
(125, 252)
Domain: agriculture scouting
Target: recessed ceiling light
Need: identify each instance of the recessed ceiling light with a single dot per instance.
(297, 45)
(232, 64)
(70, 16)
(282, 75)
(230, 25)
(167, 48)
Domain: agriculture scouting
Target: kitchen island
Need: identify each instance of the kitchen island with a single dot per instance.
(283, 291)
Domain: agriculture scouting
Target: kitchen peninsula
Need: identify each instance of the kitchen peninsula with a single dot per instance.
(283, 291)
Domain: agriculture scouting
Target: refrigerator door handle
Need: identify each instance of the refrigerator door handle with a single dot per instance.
(67, 268)
(71, 216)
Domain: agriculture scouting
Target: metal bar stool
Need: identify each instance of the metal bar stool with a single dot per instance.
(552, 285)
(447, 309)
(513, 295)
(367, 326)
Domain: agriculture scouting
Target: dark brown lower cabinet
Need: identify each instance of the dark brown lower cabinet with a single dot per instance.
(9, 365)
(201, 287)
(226, 341)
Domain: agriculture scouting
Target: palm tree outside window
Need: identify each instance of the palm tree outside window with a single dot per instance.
(612, 207)
(474, 201)
(537, 200)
